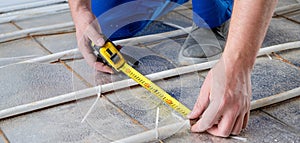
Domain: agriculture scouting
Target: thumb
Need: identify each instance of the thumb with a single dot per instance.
(93, 33)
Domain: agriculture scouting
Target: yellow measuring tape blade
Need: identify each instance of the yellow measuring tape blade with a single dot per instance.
(154, 89)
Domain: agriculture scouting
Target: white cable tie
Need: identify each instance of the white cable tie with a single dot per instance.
(269, 56)
(156, 123)
(93, 105)
(239, 138)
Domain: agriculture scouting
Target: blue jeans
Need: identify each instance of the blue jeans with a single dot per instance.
(211, 13)
(123, 18)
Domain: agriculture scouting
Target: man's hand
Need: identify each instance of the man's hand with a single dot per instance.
(223, 104)
(87, 30)
(224, 101)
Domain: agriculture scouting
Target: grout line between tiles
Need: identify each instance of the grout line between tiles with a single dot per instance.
(17, 26)
(289, 127)
(284, 60)
(288, 18)
(31, 37)
(4, 137)
(41, 45)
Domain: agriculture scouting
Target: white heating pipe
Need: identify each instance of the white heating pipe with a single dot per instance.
(150, 135)
(166, 131)
(279, 47)
(154, 37)
(24, 33)
(29, 5)
(286, 9)
(36, 12)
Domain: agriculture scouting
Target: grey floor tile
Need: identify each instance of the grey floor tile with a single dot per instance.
(294, 15)
(92, 76)
(287, 112)
(263, 128)
(89, 74)
(18, 48)
(45, 20)
(281, 31)
(271, 77)
(7, 27)
(63, 124)
(286, 2)
(60, 42)
(26, 83)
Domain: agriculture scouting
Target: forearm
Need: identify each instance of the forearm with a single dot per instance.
(249, 23)
(77, 7)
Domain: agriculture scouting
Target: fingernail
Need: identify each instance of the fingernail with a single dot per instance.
(100, 42)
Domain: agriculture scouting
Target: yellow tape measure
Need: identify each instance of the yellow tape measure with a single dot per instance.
(114, 58)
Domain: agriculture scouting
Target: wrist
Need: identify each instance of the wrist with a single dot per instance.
(237, 60)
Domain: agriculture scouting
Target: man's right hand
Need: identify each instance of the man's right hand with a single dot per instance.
(87, 30)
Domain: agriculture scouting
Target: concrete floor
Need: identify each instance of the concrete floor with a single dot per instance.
(123, 113)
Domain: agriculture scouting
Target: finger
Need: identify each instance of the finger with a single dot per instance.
(225, 126)
(87, 53)
(104, 68)
(90, 58)
(93, 33)
(238, 125)
(203, 99)
(246, 119)
(210, 116)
